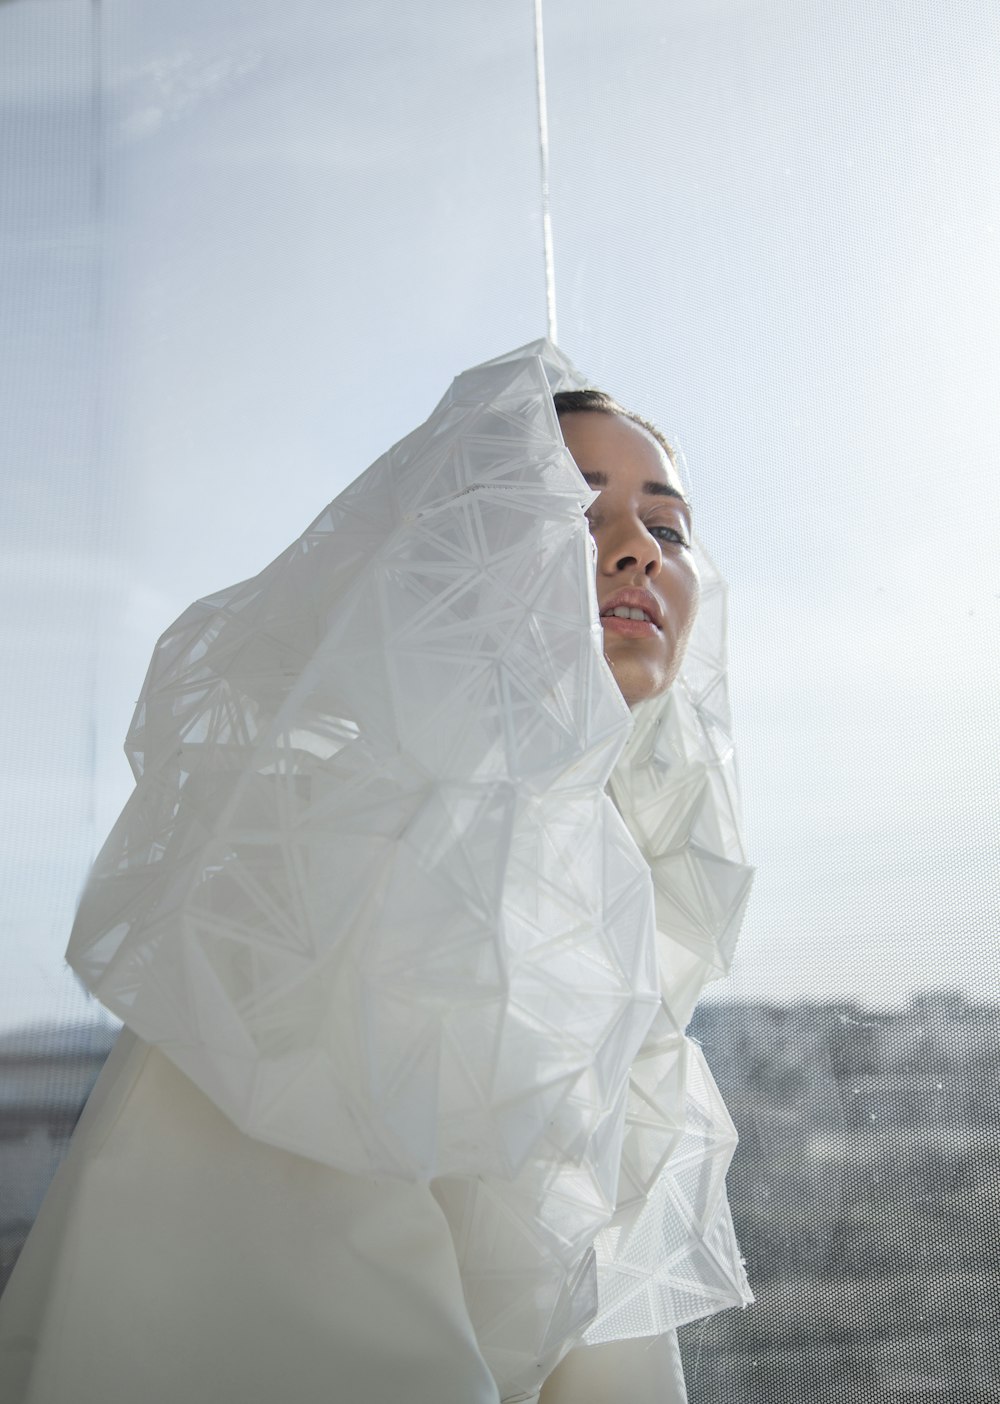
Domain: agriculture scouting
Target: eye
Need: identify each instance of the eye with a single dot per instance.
(668, 533)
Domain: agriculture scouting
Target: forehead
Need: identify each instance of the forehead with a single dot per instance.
(619, 448)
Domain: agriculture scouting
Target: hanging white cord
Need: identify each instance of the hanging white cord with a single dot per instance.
(543, 151)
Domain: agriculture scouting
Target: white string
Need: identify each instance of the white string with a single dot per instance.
(543, 151)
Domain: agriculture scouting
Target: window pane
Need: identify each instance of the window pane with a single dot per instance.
(244, 247)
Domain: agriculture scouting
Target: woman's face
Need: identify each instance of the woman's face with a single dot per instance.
(641, 523)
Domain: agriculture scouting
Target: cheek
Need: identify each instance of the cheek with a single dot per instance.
(683, 591)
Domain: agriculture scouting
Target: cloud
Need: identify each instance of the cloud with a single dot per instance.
(171, 87)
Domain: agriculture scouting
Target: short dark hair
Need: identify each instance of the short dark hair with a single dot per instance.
(599, 402)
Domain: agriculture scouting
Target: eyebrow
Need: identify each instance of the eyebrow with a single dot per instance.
(654, 488)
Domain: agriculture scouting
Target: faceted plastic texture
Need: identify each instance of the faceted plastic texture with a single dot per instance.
(405, 888)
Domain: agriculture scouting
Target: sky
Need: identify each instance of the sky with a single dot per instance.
(244, 247)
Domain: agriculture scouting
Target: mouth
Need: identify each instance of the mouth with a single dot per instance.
(633, 613)
(632, 627)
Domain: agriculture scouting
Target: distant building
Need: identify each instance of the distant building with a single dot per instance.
(46, 1074)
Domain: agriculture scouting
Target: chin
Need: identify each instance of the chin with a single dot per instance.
(649, 672)
(639, 680)
(636, 689)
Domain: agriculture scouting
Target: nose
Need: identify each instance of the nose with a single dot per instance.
(629, 549)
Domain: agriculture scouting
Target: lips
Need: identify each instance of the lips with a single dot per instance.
(633, 599)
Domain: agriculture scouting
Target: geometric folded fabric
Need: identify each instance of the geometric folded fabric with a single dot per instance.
(656, 1246)
(677, 1258)
(405, 888)
(369, 892)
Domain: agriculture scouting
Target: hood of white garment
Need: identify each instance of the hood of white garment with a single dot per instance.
(405, 888)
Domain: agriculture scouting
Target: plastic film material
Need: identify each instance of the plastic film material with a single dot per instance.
(405, 888)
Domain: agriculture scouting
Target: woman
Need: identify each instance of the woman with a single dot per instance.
(641, 523)
(404, 1109)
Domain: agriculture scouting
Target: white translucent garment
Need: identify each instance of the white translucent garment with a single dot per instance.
(375, 897)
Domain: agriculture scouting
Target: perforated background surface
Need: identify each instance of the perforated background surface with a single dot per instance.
(245, 246)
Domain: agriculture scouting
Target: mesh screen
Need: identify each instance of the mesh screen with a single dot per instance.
(245, 246)
(866, 1195)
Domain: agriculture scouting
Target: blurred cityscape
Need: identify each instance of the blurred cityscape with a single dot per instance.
(865, 1190)
(866, 1195)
